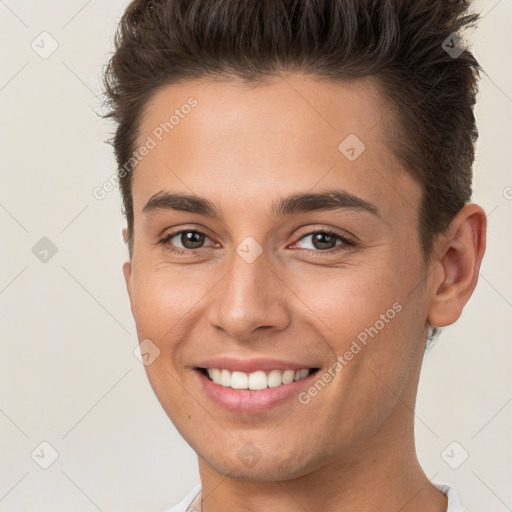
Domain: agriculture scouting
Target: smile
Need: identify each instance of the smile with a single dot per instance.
(256, 392)
(256, 380)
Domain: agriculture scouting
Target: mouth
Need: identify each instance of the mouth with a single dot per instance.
(257, 392)
(254, 385)
(258, 380)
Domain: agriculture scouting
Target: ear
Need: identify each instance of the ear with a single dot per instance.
(127, 271)
(458, 257)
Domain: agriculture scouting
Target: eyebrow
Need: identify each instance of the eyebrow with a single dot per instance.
(296, 203)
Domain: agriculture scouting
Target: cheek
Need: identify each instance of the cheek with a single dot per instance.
(162, 300)
(168, 304)
(342, 302)
(159, 309)
(368, 316)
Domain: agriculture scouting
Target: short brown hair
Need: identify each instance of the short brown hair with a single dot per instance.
(399, 43)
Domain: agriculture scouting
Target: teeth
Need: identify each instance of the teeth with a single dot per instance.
(288, 376)
(255, 380)
(225, 378)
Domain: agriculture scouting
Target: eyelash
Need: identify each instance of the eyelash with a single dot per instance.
(188, 252)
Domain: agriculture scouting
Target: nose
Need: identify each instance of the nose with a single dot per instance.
(250, 298)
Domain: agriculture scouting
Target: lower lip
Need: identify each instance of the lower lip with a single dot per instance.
(252, 401)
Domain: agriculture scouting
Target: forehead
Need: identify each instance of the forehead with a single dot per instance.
(246, 142)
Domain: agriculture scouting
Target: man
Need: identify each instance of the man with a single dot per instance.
(296, 178)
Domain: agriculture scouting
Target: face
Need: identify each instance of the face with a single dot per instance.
(332, 282)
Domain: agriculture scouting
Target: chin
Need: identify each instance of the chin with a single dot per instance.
(278, 467)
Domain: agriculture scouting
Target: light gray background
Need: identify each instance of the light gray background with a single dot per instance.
(68, 373)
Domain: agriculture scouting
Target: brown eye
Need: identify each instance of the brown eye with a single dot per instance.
(184, 240)
(325, 240)
(191, 239)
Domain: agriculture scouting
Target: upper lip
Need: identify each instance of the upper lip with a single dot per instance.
(252, 365)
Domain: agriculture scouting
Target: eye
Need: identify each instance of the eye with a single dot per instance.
(324, 240)
(191, 240)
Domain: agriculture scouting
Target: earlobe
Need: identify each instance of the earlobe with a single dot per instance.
(463, 247)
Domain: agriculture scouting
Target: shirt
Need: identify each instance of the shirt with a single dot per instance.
(454, 504)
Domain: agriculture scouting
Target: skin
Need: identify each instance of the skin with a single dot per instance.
(243, 147)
